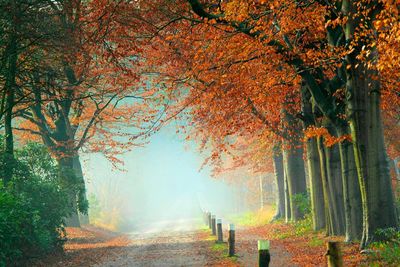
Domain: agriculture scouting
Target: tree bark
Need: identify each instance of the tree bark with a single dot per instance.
(351, 193)
(335, 187)
(10, 88)
(313, 164)
(280, 185)
(296, 180)
(328, 212)
(68, 179)
(316, 186)
(287, 216)
(363, 111)
(82, 198)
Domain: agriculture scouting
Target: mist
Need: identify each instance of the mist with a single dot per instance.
(161, 187)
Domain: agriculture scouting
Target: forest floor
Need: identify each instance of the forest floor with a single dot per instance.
(291, 245)
(92, 246)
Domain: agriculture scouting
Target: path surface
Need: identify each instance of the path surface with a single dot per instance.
(166, 243)
(246, 243)
(179, 246)
(162, 244)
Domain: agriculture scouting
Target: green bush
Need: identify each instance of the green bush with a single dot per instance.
(303, 202)
(387, 251)
(32, 207)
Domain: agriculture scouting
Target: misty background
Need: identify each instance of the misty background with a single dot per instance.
(161, 183)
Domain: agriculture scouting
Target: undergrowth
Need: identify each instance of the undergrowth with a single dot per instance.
(254, 218)
(386, 252)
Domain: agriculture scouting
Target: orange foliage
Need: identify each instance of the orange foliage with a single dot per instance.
(98, 93)
(235, 85)
(329, 140)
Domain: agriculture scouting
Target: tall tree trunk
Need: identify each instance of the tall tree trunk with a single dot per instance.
(296, 180)
(328, 211)
(335, 188)
(363, 111)
(280, 184)
(10, 88)
(82, 198)
(316, 186)
(313, 164)
(68, 179)
(351, 192)
(288, 215)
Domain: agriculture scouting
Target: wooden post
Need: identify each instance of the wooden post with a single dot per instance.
(213, 228)
(219, 230)
(209, 219)
(334, 254)
(231, 240)
(263, 253)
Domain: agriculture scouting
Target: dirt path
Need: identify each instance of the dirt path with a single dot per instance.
(246, 242)
(161, 249)
(90, 246)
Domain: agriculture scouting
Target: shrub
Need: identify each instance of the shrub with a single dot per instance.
(32, 207)
(386, 251)
(302, 201)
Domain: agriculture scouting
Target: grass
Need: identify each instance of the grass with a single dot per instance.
(304, 226)
(203, 228)
(301, 228)
(316, 242)
(219, 247)
(222, 250)
(255, 218)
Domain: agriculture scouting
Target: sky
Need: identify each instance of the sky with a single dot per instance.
(161, 181)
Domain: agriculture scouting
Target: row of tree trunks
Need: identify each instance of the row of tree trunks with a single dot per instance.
(296, 180)
(364, 114)
(316, 186)
(335, 189)
(326, 197)
(360, 81)
(335, 193)
(351, 193)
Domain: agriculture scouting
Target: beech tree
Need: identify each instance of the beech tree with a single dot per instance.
(233, 53)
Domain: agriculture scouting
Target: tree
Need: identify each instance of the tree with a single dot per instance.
(80, 86)
(307, 41)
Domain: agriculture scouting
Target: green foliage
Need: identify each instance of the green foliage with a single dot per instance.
(303, 202)
(304, 226)
(254, 218)
(301, 228)
(75, 186)
(387, 234)
(316, 242)
(397, 194)
(219, 247)
(387, 252)
(32, 206)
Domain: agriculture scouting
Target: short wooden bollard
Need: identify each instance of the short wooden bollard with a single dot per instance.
(213, 227)
(219, 230)
(231, 240)
(209, 219)
(263, 253)
(334, 254)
